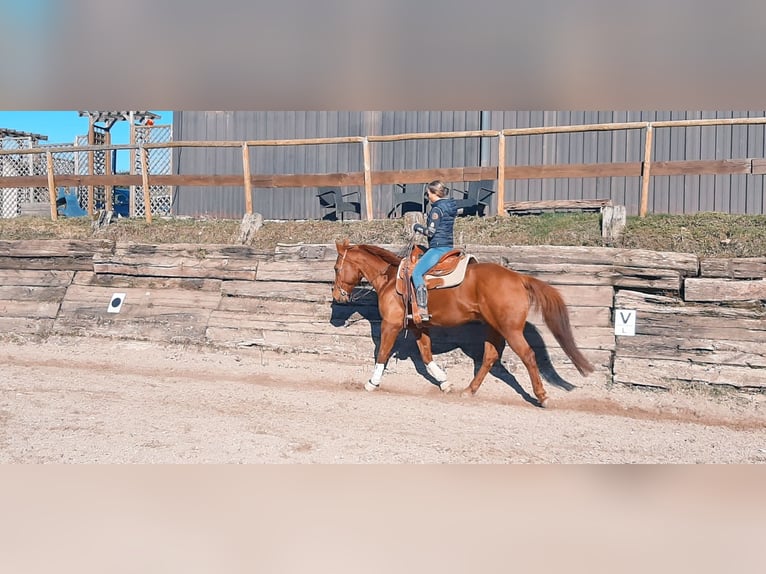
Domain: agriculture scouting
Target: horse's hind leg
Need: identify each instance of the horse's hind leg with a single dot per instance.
(388, 333)
(520, 346)
(493, 347)
(423, 339)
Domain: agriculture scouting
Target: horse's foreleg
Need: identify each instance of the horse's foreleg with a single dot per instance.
(423, 339)
(388, 333)
(493, 347)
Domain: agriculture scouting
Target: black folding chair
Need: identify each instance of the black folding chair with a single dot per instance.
(474, 200)
(331, 199)
(411, 198)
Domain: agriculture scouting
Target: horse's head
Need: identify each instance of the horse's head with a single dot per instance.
(347, 273)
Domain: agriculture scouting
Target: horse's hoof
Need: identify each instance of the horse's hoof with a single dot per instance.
(446, 387)
(467, 392)
(370, 386)
(544, 403)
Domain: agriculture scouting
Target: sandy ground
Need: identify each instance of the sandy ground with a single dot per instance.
(93, 400)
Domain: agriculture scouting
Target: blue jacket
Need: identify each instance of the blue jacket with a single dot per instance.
(440, 224)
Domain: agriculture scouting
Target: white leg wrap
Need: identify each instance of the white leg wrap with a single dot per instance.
(377, 375)
(436, 372)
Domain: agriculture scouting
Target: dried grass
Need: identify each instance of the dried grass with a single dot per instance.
(705, 234)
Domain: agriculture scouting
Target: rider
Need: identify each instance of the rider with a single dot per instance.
(439, 230)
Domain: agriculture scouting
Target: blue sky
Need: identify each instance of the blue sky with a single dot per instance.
(62, 127)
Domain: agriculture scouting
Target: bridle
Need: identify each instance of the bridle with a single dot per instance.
(338, 282)
(341, 290)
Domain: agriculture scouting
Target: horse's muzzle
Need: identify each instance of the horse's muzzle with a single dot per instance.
(340, 295)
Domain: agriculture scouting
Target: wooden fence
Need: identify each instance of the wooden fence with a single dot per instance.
(698, 321)
(368, 178)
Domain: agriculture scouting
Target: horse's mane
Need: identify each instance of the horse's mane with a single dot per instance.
(384, 254)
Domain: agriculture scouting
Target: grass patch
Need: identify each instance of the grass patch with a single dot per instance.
(704, 234)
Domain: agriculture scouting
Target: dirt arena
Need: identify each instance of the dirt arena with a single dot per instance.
(94, 400)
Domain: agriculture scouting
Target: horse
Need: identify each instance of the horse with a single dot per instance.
(490, 293)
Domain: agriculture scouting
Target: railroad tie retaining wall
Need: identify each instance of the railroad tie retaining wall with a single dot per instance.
(697, 321)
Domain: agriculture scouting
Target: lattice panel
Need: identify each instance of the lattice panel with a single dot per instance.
(158, 163)
(15, 166)
(99, 167)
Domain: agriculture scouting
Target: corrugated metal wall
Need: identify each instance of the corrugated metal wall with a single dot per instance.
(668, 194)
(300, 203)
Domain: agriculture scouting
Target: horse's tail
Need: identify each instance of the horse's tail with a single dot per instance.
(556, 316)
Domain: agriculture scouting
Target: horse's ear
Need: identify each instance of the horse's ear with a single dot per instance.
(342, 246)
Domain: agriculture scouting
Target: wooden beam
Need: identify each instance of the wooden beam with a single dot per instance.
(51, 186)
(501, 175)
(625, 169)
(454, 174)
(248, 179)
(594, 204)
(695, 167)
(109, 169)
(367, 178)
(646, 172)
(91, 164)
(145, 184)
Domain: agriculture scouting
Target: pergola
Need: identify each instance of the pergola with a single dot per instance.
(9, 133)
(99, 125)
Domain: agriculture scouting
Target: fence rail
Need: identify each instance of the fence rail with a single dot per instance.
(501, 172)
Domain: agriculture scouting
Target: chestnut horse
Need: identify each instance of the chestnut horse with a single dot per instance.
(490, 293)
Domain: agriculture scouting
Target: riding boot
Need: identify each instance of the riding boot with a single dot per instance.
(421, 296)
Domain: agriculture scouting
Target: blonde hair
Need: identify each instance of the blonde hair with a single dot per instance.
(438, 188)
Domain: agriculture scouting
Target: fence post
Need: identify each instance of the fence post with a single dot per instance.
(248, 181)
(51, 185)
(501, 175)
(91, 167)
(145, 183)
(646, 171)
(367, 177)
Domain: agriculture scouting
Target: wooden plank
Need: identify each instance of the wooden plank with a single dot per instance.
(759, 166)
(181, 260)
(307, 326)
(558, 275)
(320, 271)
(686, 263)
(696, 167)
(35, 209)
(701, 351)
(29, 308)
(222, 251)
(31, 293)
(35, 277)
(139, 300)
(298, 251)
(83, 263)
(123, 281)
(740, 268)
(666, 316)
(159, 266)
(668, 374)
(707, 289)
(587, 295)
(67, 248)
(581, 204)
(278, 290)
(318, 310)
(585, 170)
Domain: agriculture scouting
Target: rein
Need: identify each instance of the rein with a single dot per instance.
(372, 280)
